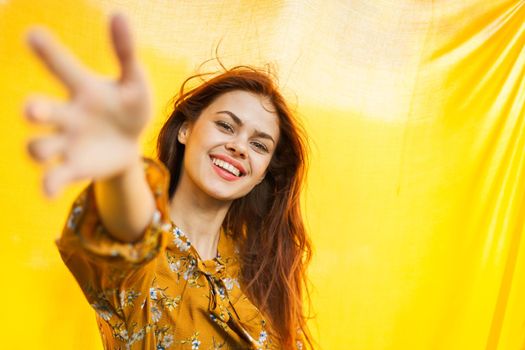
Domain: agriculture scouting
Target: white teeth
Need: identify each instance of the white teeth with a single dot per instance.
(226, 166)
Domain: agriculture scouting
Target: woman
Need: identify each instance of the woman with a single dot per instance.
(210, 254)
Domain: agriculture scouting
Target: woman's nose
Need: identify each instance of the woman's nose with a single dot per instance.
(237, 149)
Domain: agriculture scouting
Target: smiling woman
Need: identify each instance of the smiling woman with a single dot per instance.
(203, 248)
(238, 125)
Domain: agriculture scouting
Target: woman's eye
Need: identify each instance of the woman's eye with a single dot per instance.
(225, 126)
(260, 146)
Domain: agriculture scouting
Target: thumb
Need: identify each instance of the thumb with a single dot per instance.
(123, 45)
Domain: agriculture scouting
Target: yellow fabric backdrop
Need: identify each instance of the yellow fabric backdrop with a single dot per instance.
(416, 196)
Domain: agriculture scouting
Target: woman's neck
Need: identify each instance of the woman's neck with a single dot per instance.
(200, 218)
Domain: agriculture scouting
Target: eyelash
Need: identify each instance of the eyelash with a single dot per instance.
(225, 126)
(229, 128)
(260, 146)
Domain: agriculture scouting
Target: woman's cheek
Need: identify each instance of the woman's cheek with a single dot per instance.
(261, 167)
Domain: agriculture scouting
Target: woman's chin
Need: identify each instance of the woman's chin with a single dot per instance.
(225, 194)
(222, 194)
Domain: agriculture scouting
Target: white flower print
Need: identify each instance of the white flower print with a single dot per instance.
(181, 244)
(170, 303)
(175, 266)
(127, 297)
(153, 293)
(136, 336)
(190, 271)
(222, 293)
(230, 282)
(103, 309)
(262, 337)
(71, 222)
(167, 341)
(120, 331)
(194, 341)
(106, 315)
(156, 314)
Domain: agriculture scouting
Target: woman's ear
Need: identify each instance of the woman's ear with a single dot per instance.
(183, 134)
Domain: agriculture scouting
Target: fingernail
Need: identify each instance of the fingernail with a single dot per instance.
(30, 112)
(35, 37)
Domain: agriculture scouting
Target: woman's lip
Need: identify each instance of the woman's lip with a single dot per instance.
(231, 161)
(226, 175)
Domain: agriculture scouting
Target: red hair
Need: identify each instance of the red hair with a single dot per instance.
(267, 223)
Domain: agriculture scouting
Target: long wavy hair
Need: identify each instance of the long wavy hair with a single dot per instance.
(267, 223)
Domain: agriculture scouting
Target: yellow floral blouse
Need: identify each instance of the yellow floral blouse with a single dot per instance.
(158, 293)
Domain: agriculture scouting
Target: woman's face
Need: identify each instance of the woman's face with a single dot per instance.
(229, 147)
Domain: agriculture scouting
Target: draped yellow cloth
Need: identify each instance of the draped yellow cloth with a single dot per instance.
(416, 195)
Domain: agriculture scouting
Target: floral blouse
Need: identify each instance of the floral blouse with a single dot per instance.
(158, 293)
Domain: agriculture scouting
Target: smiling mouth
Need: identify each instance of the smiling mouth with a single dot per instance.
(226, 166)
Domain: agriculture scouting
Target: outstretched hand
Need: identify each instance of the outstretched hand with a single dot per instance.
(96, 130)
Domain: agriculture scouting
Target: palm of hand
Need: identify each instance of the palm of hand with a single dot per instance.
(97, 130)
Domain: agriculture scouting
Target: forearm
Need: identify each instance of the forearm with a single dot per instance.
(125, 203)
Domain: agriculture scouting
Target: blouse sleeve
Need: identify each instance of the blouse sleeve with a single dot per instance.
(100, 263)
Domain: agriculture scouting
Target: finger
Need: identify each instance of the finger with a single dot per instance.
(123, 45)
(56, 178)
(42, 110)
(44, 148)
(56, 58)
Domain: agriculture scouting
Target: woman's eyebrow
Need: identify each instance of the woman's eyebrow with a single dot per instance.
(236, 119)
(239, 122)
